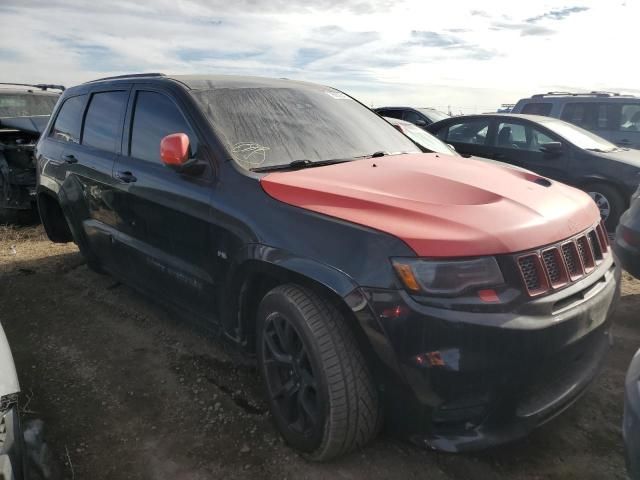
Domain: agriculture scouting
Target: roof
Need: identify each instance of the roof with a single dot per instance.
(209, 82)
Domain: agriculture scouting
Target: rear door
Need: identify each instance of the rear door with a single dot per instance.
(469, 136)
(88, 131)
(520, 143)
(625, 125)
(166, 231)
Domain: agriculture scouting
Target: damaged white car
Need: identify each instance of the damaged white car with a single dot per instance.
(11, 440)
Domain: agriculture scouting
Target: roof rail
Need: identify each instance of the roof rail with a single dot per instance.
(595, 93)
(41, 86)
(129, 75)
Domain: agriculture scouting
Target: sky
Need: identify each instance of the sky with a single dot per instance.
(462, 55)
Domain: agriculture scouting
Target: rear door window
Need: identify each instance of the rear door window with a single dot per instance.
(69, 120)
(469, 131)
(155, 116)
(103, 122)
(590, 115)
(537, 109)
(630, 118)
(392, 113)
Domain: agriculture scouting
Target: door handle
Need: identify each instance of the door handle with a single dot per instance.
(126, 177)
(625, 141)
(70, 159)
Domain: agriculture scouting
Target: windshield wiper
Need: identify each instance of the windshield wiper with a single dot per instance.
(299, 164)
(600, 150)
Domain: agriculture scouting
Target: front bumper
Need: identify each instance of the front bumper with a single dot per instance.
(11, 446)
(631, 422)
(466, 380)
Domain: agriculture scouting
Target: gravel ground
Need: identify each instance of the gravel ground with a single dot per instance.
(126, 390)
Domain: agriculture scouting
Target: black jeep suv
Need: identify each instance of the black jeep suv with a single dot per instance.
(463, 302)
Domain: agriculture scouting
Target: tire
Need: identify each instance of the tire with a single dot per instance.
(608, 200)
(322, 372)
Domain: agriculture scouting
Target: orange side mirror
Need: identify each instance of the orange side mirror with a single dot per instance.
(174, 150)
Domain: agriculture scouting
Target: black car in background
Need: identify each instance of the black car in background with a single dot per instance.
(24, 112)
(418, 116)
(553, 148)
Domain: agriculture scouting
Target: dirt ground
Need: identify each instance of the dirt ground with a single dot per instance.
(126, 390)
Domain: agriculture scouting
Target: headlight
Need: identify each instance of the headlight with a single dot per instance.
(447, 277)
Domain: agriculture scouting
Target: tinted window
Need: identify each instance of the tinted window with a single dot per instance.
(264, 126)
(392, 114)
(433, 115)
(25, 105)
(537, 109)
(630, 118)
(103, 122)
(519, 136)
(470, 131)
(69, 120)
(412, 117)
(155, 116)
(592, 116)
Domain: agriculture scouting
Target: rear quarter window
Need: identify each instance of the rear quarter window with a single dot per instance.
(69, 120)
(537, 109)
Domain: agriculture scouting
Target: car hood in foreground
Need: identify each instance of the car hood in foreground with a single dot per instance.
(8, 378)
(441, 206)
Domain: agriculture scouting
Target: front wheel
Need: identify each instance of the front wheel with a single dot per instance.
(319, 386)
(609, 202)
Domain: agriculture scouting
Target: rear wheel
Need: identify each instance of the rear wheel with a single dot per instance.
(609, 202)
(320, 389)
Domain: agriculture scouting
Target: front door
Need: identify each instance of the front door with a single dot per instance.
(167, 213)
(522, 143)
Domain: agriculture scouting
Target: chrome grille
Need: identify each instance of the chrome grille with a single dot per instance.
(558, 265)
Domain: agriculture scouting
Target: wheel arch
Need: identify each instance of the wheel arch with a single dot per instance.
(254, 277)
(601, 179)
(53, 217)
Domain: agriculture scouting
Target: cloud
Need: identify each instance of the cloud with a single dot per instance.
(525, 29)
(451, 42)
(557, 14)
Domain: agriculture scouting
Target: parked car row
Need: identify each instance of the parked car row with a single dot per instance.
(457, 302)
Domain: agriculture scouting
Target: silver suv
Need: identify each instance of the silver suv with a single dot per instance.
(613, 116)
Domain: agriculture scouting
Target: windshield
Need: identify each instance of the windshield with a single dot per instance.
(434, 115)
(26, 105)
(267, 126)
(579, 137)
(426, 140)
